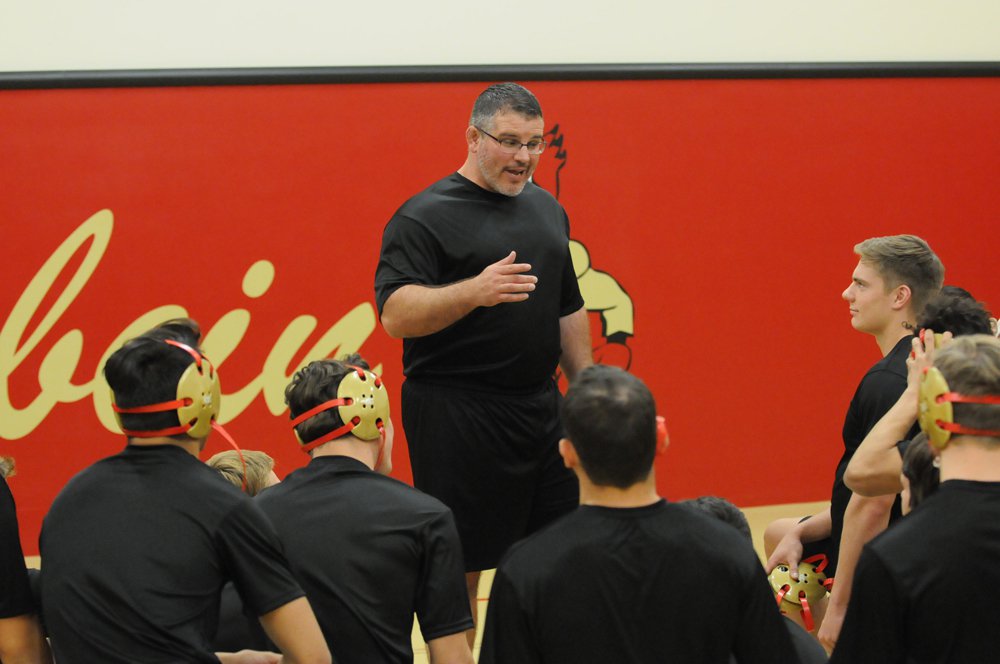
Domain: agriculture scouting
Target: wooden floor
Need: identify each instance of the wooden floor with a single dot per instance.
(758, 517)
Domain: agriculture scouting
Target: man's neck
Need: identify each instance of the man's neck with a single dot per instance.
(192, 446)
(970, 458)
(638, 495)
(349, 446)
(889, 337)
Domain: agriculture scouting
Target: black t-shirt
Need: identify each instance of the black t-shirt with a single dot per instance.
(15, 593)
(452, 231)
(135, 550)
(662, 583)
(925, 590)
(876, 394)
(370, 552)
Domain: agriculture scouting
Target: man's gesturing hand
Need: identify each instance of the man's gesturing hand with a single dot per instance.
(503, 281)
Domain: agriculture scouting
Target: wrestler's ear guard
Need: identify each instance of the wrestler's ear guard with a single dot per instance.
(199, 397)
(362, 403)
(937, 415)
(662, 437)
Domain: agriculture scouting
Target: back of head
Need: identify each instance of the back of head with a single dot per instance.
(610, 417)
(724, 511)
(905, 259)
(315, 384)
(258, 469)
(971, 367)
(919, 469)
(145, 370)
(954, 310)
(501, 98)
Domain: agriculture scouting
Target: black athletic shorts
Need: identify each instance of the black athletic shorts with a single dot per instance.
(824, 546)
(492, 458)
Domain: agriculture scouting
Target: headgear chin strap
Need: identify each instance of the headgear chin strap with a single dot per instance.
(937, 416)
(199, 397)
(363, 405)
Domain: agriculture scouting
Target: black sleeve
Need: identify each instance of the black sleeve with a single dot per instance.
(409, 255)
(254, 560)
(15, 592)
(507, 637)
(442, 605)
(761, 635)
(873, 626)
(878, 393)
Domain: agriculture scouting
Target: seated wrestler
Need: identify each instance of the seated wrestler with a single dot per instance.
(251, 471)
(920, 476)
(807, 648)
(21, 637)
(925, 589)
(136, 548)
(628, 576)
(876, 466)
(369, 550)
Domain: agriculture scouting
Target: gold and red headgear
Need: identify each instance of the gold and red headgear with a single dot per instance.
(362, 404)
(799, 595)
(937, 415)
(199, 397)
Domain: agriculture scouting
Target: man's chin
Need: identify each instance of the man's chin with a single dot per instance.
(511, 190)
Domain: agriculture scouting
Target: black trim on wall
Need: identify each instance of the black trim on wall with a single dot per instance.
(471, 73)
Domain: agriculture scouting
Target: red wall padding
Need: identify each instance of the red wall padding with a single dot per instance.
(726, 210)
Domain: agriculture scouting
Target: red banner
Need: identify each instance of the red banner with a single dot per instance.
(713, 226)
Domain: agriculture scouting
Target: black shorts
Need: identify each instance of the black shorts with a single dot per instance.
(825, 547)
(492, 458)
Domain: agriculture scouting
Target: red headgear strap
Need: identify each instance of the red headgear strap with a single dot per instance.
(344, 429)
(955, 427)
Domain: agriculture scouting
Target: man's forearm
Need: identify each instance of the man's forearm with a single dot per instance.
(22, 641)
(815, 527)
(574, 337)
(875, 467)
(416, 311)
(864, 519)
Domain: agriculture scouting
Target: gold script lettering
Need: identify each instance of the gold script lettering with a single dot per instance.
(60, 363)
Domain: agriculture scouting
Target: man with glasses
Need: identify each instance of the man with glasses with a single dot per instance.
(475, 276)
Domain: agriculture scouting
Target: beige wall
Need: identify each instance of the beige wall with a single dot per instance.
(131, 34)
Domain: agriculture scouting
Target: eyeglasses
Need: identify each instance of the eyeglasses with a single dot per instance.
(513, 146)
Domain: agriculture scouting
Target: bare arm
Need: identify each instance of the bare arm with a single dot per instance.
(294, 629)
(574, 337)
(789, 549)
(875, 467)
(249, 657)
(451, 649)
(416, 311)
(22, 642)
(864, 519)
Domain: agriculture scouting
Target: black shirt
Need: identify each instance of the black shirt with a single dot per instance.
(662, 583)
(15, 593)
(369, 552)
(876, 394)
(925, 590)
(452, 231)
(135, 550)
